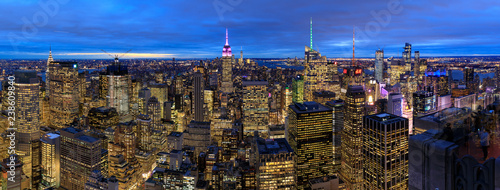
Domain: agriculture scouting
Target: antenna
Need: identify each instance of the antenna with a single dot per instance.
(116, 56)
(353, 37)
(311, 33)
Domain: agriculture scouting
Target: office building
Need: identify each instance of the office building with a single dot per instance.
(424, 102)
(351, 172)
(197, 135)
(298, 89)
(64, 96)
(275, 164)
(379, 65)
(385, 152)
(27, 122)
(338, 124)
(227, 67)
(51, 160)
(310, 136)
(99, 182)
(416, 65)
(115, 85)
(103, 117)
(80, 155)
(395, 104)
(255, 108)
(407, 56)
(198, 95)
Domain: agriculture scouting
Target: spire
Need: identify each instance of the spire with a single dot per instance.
(311, 33)
(227, 42)
(50, 56)
(353, 37)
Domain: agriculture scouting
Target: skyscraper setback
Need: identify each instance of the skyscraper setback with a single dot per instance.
(227, 67)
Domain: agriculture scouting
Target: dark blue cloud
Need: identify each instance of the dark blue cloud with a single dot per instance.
(279, 28)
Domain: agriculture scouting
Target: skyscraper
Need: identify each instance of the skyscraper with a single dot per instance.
(80, 155)
(64, 96)
(51, 160)
(47, 73)
(338, 124)
(385, 152)
(198, 96)
(255, 108)
(298, 89)
(27, 118)
(416, 65)
(407, 56)
(379, 65)
(275, 164)
(118, 85)
(351, 171)
(469, 77)
(227, 68)
(310, 136)
(395, 104)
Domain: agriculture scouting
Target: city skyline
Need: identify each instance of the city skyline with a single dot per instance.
(262, 30)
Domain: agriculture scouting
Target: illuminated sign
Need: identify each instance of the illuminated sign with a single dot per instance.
(345, 71)
(74, 66)
(358, 71)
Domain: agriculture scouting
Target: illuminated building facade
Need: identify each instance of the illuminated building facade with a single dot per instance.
(227, 68)
(310, 136)
(338, 124)
(385, 152)
(395, 104)
(275, 164)
(51, 160)
(122, 161)
(351, 171)
(198, 95)
(160, 91)
(407, 56)
(424, 102)
(298, 89)
(117, 88)
(80, 155)
(103, 117)
(64, 96)
(27, 122)
(416, 66)
(379, 65)
(255, 108)
(198, 136)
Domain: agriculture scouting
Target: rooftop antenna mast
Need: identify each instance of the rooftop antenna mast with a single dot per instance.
(311, 34)
(353, 37)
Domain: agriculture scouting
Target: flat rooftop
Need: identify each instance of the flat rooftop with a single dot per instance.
(309, 107)
(274, 146)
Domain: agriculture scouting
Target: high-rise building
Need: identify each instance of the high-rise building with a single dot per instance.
(416, 66)
(379, 65)
(51, 160)
(338, 124)
(160, 91)
(27, 117)
(395, 104)
(154, 112)
(145, 138)
(47, 73)
(310, 136)
(64, 96)
(198, 96)
(255, 108)
(351, 171)
(385, 152)
(407, 56)
(122, 161)
(469, 77)
(80, 155)
(298, 89)
(275, 164)
(198, 136)
(117, 87)
(424, 102)
(227, 68)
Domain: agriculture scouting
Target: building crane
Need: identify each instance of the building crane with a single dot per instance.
(116, 56)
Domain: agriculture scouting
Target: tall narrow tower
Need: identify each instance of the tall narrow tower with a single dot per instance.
(227, 67)
(47, 72)
(311, 33)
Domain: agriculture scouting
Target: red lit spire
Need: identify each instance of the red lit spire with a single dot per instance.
(226, 51)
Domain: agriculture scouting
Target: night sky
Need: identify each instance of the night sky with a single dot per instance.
(264, 29)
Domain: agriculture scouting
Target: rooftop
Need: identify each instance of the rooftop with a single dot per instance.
(309, 107)
(255, 83)
(274, 146)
